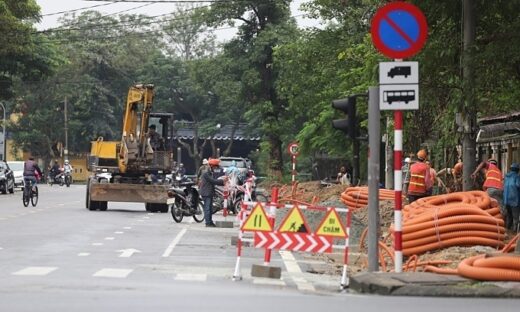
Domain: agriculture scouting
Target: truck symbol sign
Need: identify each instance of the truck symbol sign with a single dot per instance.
(398, 96)
(400, 71)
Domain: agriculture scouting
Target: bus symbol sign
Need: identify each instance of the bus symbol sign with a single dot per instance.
(399, 97)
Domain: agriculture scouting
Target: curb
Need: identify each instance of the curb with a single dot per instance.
(430, 285)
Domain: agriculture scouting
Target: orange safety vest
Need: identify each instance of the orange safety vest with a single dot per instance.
(493, 178)
(417, 184)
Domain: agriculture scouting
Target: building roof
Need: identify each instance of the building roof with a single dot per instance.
(186, 130)
(500, 128)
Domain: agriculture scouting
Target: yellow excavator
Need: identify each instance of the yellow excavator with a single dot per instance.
(135, 168)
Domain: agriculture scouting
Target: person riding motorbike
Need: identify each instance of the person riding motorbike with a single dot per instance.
(67, 167)
(55, 170)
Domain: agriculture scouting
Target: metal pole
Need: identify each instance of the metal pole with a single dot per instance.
(4, 156)
(355, 171)
(398, 185)
(389, 170)
(66, 131)
(374, 134)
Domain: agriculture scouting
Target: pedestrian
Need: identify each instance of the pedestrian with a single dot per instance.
(493, 184)
(207, 189)
(512, 198)
(457, 176)
(420, 180)
(343, 176)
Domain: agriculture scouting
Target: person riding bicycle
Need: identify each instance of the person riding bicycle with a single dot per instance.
(30, 168)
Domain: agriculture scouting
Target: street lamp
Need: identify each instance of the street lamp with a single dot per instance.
(3, 133)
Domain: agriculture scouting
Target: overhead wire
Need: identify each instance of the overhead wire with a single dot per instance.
(79, 9)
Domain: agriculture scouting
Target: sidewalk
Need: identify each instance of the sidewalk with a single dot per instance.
(431, 285)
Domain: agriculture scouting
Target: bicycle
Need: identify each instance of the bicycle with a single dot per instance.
(30, 193)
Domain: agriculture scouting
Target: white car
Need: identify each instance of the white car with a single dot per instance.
(17, 168)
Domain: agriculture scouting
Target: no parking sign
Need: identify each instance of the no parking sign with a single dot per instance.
(399, 30)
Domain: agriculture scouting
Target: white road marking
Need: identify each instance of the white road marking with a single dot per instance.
(191, 277)
(127, 228)
(35, 271)
(23, 214)
(150, 213)
(174, 242)
(115, 273)
(146, 217)
(118, 232)
(83, 254)
(127, 253)
(268, 281)
(294, 270)
(110, 238)
(97, 244)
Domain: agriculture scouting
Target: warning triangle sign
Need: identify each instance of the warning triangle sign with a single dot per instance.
(257, 221)
(331, 225)
(294, 222)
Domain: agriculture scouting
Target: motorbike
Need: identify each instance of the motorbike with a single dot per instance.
(184, 200)
(58, 179)
(67, 177)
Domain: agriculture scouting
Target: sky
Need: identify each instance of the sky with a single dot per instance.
(55, 6)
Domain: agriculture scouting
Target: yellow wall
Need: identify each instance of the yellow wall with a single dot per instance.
(10, 155)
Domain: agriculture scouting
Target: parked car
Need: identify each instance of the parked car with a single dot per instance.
(17, 168)
(6, 178)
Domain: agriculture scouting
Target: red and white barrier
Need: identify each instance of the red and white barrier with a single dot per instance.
(294, 241)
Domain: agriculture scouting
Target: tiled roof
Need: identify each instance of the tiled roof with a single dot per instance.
(185, 130)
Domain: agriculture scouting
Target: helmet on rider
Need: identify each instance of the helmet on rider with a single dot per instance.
(422, 155)
(492, 161)
(214, 162)
(66, 161)
(204, 161)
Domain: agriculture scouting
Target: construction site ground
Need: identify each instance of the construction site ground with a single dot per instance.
(329, 195)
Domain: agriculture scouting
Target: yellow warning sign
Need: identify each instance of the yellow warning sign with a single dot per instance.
(294, 222)
(257, 221)
(331, 225)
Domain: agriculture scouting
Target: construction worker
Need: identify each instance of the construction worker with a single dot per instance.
(493, 184)
(433, 177)
(420, 180)
(457, 176)
(512, 198)
(406, 174)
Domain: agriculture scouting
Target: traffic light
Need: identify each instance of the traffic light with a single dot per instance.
(349, 125)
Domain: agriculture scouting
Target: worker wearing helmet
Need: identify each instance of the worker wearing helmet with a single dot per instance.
(493, 184)
(67, 167)
(207, 189)
(203, 168)
(420, 180)
(512, 198)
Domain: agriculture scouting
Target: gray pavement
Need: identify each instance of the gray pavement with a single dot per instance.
(59, 256)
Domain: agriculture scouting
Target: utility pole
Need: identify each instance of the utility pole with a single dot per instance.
(374, 139)
(469, 111)
(4, 149)
(66, 130)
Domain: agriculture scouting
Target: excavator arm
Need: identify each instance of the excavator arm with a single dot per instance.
(134, 147)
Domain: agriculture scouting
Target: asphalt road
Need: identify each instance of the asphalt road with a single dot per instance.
(59, 256)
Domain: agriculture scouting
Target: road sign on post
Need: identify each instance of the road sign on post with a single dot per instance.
(399, 30)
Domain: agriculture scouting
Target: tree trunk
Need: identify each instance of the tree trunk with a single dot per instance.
(469, 112)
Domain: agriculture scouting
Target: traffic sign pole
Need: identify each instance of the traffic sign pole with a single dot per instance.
(398, 183)
(293, 179)
(272, 217)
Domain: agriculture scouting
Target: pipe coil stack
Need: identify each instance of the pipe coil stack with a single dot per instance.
(357, 197)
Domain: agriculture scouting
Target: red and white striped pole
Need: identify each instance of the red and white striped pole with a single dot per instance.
(344, 276)
(293, 179)
(272, 217)
(241, 217)
(398, 184)
(225, 203)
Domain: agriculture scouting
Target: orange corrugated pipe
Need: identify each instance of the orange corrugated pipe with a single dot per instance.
(497, 269)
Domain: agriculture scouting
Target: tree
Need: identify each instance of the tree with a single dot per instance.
(265, 24)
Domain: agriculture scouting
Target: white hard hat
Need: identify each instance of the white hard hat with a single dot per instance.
(204, 161)
(66, 161)
(407, 160)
